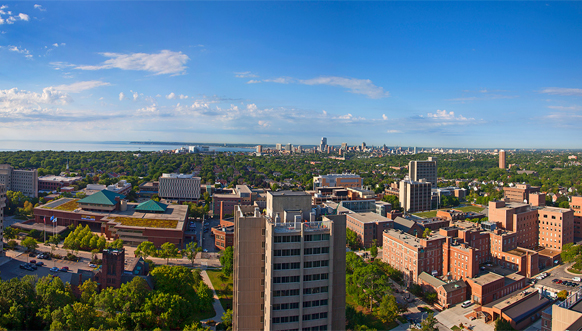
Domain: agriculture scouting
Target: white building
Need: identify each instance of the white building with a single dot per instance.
(179, 187)
(25, 181)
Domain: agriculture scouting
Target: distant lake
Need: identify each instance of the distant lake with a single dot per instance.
(90, 146)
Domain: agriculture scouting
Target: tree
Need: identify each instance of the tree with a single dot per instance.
(352, 240)
(388, 309)
(393, 200)
(503, 325)
(226, 260)
(10, 233)
(426, 233)
(78, 316)
(88, 290)
(374, 250)
(562, 295)
(368, 284)
(29, 243)
(429, 323)
(191, 251)
(569, 252)
(168, 251)
(116, 244)
(101, 243)
(145, 249)
(227, 319)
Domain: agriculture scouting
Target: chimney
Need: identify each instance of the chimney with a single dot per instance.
(221, 210)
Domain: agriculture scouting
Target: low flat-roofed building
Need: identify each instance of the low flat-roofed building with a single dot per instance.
(223, 203)
(179, 187)
(341, 180)
(519, 309)
(148, 189)
(107, 213)
(519, 193)
(223, 236)
(53, 183)
(368, 227)
(566, 315)
(488, 287)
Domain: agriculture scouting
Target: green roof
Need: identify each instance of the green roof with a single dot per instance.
(104, 197)
(151, 206)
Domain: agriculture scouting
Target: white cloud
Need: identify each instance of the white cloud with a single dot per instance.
(182, 96)
(442, 114)
(384, 117)
(562, 91)
(165, 62)
(253, 81)
(15, 101)
(171, 96)
(565, 107)
(393, 131)
(61, 65)
(23, 51)
(264, 124)
(81, 86)
(358, 86)
(39, 7)
(121, 96)
(135, 96)
(246, 74)
(23, 17)
(280, 80)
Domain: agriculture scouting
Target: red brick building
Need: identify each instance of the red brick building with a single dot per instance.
(368, 227)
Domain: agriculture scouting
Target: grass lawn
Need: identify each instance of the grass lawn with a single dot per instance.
(427, 214)
(575, 271)
(456, 328)
(471, 208)
(222, 286)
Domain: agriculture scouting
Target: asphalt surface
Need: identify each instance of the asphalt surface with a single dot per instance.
(561, 274)
(12, 268)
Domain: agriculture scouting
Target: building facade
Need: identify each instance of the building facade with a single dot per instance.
(501, 159)
(426, 170)
(2, 206)
(288, 275)
(25, 181)
(415, 196)
(179, 187)
(369, 227)
(338, 180)
(576, 206)
(53, 183)
(520, 193)
(223, 203)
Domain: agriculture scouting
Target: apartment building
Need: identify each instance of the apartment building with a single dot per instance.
(426, 170)
(288, 275)
(25, 181)
(556, 227)
(415, 195)
(179, 187)
(576, 206)
(2, 206)
(338, 180)
(519, 193)
(368, 227)
(412, 255)
(289, 204)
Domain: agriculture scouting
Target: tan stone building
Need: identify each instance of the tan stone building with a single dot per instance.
(415, 196)
(288, 275)
(25, 181)
(426, 170)
(338, 180)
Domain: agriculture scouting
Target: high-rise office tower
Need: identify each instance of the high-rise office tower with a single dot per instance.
(278, 147)
(363, 146)
(289, 272)
(427, 170)
(502, 159)
(259, 149)
(25, 181)
(323, 145)
(345, 146)
(414, 150)
(289, 147)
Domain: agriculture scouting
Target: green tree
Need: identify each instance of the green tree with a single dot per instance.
(388, 309)
(503, 325)
(426, 233)
(227, 319)
(145, 249)
(374, 250)
(352, 240)
(168, 251)
(226, 260)
(562, 295)
(52, 295)
(393, 200)
(101, 243)
(191, 251)
(569, 252)
(429, 323)
(10, 233)
(166, 311)
(116, 244)
(29, 243)
(88, 290)
(367, 284)
(78, 316)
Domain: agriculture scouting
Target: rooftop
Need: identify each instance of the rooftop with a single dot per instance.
(409, 239)
(287, 193)
(172, 175)
(339, 175)
(104, 197)
(369, 217)
(151, 206)
(51, 178)
(486, 278)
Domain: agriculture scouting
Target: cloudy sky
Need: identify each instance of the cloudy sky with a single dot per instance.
(457, 74)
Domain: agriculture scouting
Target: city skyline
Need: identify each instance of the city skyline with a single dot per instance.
(402, 74)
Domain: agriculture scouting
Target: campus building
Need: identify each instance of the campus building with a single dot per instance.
(415, 196)
(520, 193)
(110, 214)
(179, 187)
(369, 227)
(426, 170)
(54, 183)
(223, 203)
(338, 180)
(576, 206)
(288, 275)
(25, 181)
(122, 187)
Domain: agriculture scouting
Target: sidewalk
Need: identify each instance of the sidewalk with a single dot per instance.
(216, 304)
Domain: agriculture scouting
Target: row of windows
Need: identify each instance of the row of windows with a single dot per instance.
(285, 319)
(287, 252)
(316, 328)
(286, 293)
(285, 266)
(287, 239)
(315, 250)
(315, 290)
(315, 303)
(284, 306)
(315, 264)
(316, 237)
(309, 278)
(286, 279)
(316, 316)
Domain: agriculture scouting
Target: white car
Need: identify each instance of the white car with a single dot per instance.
(205, 250)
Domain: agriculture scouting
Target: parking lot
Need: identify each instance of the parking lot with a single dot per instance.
(561, 274)
(12, 268)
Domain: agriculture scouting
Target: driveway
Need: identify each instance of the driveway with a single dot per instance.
(456, 315)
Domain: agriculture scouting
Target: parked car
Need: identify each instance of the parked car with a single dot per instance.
(92, 265)
(40, 263)
(559, 281)
(65, 269)
(54, 269)
(22, 266)
(466, 304)
(32, 254)
(32, 261)
(555, 280)
(577, 279)
(30, 267)
(33, 266)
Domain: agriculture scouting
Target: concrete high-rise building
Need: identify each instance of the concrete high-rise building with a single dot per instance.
(414, 196)
(345, 146)
(427, 170)
(278, 147)
(289, 147)
(299, 149)
(414, 150)
(259, 149)
(288, 275)
(2, 205)
(25, 181)
(501, 159)
(363, 146)
(179, 187)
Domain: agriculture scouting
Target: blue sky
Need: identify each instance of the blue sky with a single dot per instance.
(451, 74)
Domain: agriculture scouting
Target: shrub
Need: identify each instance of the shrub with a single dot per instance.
(12, 244)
